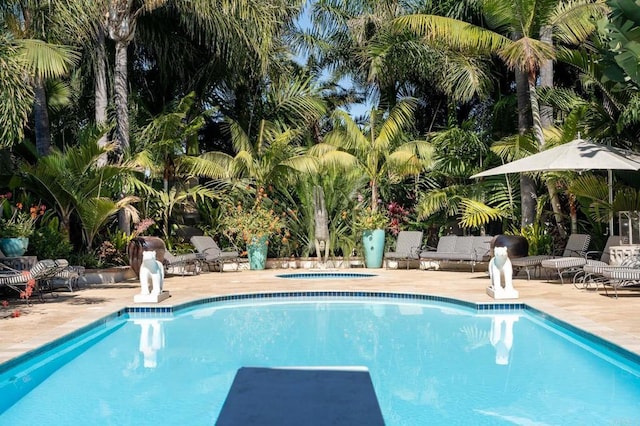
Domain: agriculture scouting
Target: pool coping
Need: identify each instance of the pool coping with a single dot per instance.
(154, 311)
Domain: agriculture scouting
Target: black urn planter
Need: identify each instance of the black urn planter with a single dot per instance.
(138, 245)
(517, 245)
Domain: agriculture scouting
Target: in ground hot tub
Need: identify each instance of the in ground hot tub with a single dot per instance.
(325, 275)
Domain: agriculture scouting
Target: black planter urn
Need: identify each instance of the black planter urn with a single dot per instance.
(140, 244)
(517, 245)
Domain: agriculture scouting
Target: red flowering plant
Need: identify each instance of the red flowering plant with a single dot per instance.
(15, 220)
(398, 215)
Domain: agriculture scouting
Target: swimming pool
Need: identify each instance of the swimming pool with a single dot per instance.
(431, 362)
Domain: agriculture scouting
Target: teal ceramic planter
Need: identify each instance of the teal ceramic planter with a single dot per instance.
(14, 247)
(373, 243)
(257, 251)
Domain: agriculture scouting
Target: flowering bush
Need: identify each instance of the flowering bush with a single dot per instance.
(256, 222)
(15, 221)
(398, 215)
(368, 219)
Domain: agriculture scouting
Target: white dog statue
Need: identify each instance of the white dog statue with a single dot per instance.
(500, 270)
(151, 270)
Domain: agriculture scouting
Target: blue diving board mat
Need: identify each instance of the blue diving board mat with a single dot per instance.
(310, 396)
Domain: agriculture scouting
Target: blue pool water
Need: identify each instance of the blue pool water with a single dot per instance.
(430, 363)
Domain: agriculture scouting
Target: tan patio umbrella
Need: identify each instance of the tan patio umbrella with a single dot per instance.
(577, 155)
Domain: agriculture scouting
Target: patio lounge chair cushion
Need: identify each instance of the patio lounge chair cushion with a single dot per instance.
(577, 246)
(188, 262)
(408, 245)
(575, 264)
(471, 249)
(621, 277)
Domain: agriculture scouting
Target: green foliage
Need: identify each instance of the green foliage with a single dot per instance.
(624, 37)
(49, 243)
(540, 241)
(17, 97)
(88, 259)
(459, 150)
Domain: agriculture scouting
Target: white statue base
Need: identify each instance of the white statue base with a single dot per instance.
(151, 298)
(501, 271)
(499, 295)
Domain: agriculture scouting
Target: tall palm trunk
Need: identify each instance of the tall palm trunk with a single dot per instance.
(100, 94)
(122, 26)
(122, 118)
(527, 185)
(41, 118)
(100, 86)
(546, 121)
(121, 97)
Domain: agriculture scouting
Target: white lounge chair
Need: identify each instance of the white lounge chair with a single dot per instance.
(575, 264)
(577, 246)
(621, 277)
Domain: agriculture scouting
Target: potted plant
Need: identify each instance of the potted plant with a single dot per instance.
(372, 223)
(255, 226)
(16, 225)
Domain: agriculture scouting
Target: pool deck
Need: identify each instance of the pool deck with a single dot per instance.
(616, 320)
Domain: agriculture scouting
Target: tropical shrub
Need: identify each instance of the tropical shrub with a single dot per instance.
(47, 242)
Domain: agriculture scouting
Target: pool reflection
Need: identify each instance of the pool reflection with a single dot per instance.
(151, 340)
(501, 336)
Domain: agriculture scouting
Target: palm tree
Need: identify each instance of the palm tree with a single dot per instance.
(17, 97)
(358, 41)
(379, 151)
(459, 153)
(269, 149)
(73, 183)
(513, 30)
(226, 32)
(40, 61)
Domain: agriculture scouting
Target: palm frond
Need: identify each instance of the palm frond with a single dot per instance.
(47, 60)
(457, 34)
(475, 213)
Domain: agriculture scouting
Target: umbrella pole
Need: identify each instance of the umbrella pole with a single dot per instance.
(610, 179)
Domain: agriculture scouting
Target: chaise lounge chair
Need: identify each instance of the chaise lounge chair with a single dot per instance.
(593, 272)
(213, 254)
(408, 246)
(189, 262)
(67, 277)
(37, 275)
(621, 277)
(577, 246)
(451, 248)
(575, 264)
